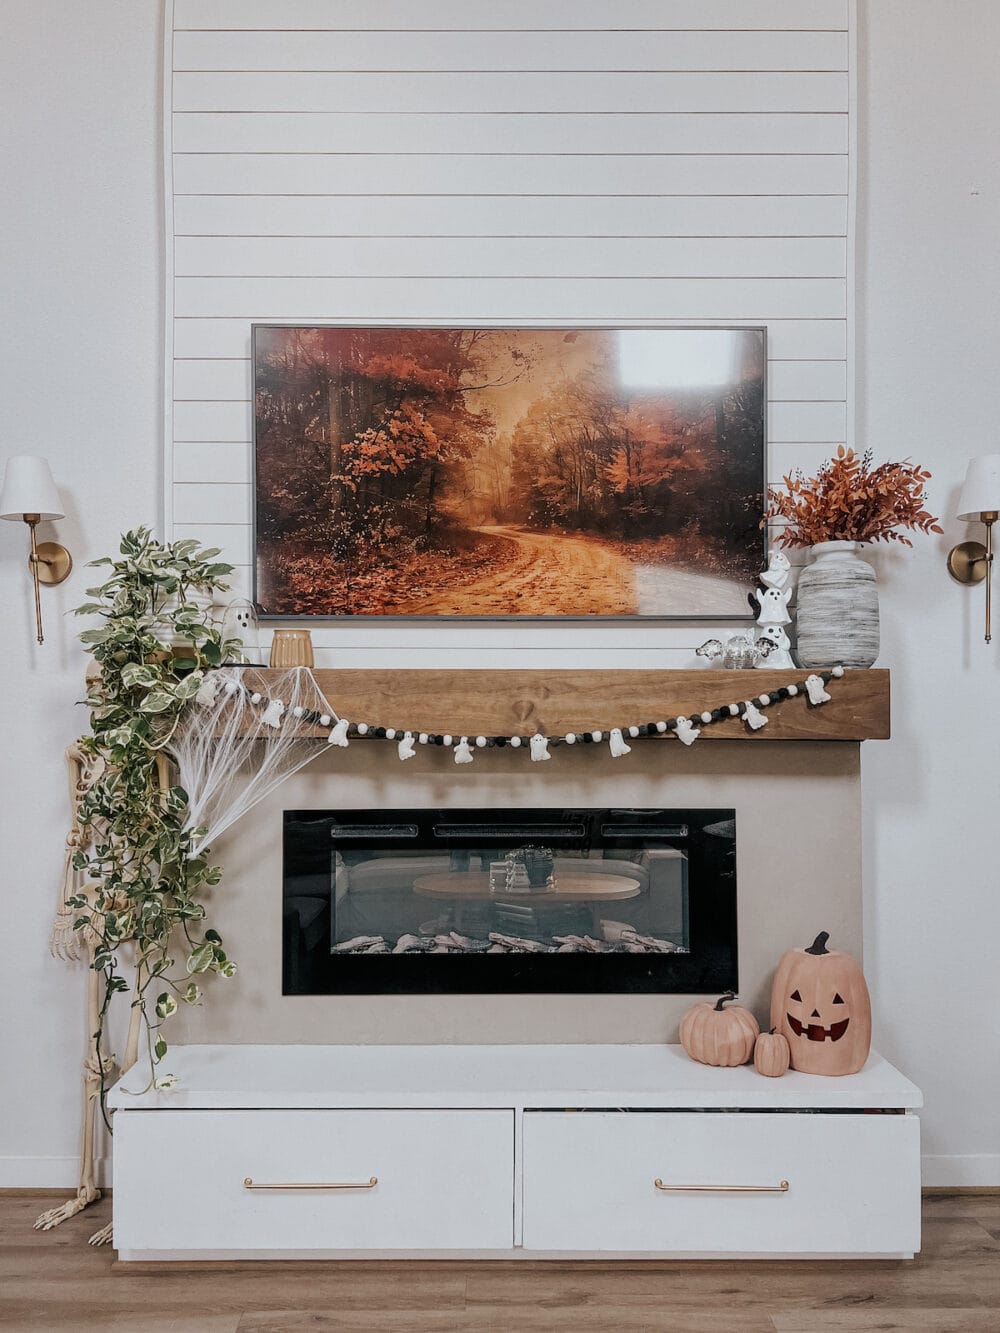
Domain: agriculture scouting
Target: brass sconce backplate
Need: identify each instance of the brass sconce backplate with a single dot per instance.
(54, 563)
(967, 562)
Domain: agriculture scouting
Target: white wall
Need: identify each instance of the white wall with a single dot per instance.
(80, 365)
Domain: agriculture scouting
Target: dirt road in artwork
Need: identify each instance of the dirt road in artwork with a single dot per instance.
(549, 575)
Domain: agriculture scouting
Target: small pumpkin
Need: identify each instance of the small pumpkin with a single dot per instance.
(771, 1054)
(820, 1004)
(713, 1035)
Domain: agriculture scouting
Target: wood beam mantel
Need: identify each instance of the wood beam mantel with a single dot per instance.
(520, 702)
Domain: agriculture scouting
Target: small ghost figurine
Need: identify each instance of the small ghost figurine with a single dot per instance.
(778, 570)
(753, 717)
(405, 748)
(686, 731)
(774, 645)
(616, 743)
(815, 689)
(539, 748)
(773, 606)
(463, 754)
(206, 691)
(239, 622)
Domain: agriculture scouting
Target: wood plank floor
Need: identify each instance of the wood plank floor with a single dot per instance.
(54, 1281)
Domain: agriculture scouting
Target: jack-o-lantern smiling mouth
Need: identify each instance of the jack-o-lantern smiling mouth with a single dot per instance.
(816, 1031)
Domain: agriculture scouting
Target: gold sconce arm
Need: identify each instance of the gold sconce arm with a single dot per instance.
(49, 563)
(972, 562)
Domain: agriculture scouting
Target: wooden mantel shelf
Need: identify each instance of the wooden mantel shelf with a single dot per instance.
(520, 702)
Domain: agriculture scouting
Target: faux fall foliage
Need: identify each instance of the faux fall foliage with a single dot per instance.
(850, 500)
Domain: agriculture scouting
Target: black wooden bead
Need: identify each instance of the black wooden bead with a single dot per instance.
(490, 742)
(650, 728)
(587, 738)
(719, 713)
(501, 741)
(437, 740)
(780, 694)
(380, 733)
(643, 729)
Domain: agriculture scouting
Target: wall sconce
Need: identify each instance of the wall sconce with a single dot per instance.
(971, 562)
(29, 494)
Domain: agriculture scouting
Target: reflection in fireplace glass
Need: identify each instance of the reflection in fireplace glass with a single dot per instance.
(647, 897)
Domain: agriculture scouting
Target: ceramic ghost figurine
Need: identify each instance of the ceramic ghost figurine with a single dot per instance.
(816, 690)
(778, 570)
(775, 645)
(773, 606)
(686, 731)
(239, 621)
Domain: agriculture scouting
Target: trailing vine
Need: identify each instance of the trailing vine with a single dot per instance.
(143, 885)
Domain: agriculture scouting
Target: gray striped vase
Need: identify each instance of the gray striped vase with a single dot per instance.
(837, 608)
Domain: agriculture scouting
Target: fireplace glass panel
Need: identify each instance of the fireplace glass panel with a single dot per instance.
(511, 900)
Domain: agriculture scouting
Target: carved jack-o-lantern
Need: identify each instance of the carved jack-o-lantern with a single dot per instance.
(820, 1003)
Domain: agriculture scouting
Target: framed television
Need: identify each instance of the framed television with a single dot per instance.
(570, 473)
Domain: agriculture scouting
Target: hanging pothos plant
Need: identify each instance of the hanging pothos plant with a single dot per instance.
(143, 885)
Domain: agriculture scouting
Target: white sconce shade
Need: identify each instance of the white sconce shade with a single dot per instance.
(981, 492)
(28, 488)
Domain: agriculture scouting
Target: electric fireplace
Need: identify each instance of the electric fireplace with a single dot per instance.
(473, 901)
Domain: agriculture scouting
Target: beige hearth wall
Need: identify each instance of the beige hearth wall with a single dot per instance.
(798, 838)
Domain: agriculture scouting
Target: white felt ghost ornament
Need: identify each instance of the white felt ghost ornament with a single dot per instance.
(773, 606)
(463, 753)
(753, 717)
(616, 743)
(816, 690)
(539, 748)
(405, 748)
(686, 731)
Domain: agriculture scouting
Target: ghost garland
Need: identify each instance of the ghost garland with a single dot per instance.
(686, 729)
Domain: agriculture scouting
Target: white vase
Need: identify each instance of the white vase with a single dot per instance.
(837, 608)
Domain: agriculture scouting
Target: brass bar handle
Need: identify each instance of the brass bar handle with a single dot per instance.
(780, 1188)
(250, 1184)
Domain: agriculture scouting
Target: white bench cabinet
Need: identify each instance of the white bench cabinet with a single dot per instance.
(511, 1152)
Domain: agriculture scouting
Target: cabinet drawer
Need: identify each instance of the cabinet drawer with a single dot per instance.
(444, 1180)
(853, 1183)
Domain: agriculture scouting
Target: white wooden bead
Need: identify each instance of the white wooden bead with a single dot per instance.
(570, 738)
(706, 717)
(763, 700)
(362, 728)
(838, 671)
(597, 735)
(422, 738)
(390, 733)
(793, 690)
(324, 719)
(481, 742)
(447, 740)
(231, 687)
(633, 731)
(255, 698)
(298, 711)
(661, 726)
(515, 741)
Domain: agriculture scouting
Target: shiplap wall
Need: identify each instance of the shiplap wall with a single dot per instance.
(503, 161)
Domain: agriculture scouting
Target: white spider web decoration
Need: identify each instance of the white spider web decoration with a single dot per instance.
(228, 750)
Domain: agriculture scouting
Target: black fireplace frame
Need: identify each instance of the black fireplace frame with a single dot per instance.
(710, 967)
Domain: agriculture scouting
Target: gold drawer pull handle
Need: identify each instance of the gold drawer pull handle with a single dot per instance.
(250, 1184)
(780, 1188)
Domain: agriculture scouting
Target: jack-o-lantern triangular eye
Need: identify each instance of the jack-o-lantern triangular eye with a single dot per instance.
(796, 996)
(838, 998)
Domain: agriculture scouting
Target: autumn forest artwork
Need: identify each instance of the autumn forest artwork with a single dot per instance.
(508, 472)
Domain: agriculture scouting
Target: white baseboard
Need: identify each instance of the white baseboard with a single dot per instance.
(960, 1169)
(43, 1173)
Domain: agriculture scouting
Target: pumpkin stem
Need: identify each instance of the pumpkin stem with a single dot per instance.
(818, 945)
(729, 996)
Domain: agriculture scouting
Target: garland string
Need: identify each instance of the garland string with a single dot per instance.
(686, 729)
